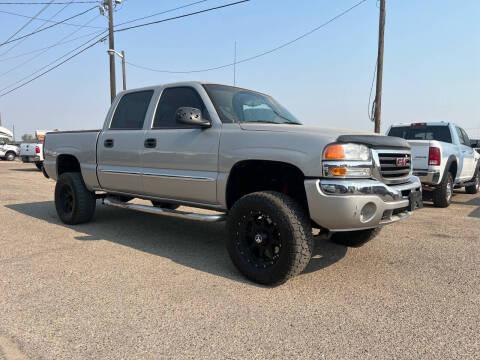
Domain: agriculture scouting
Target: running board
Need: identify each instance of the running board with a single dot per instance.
(155, 210)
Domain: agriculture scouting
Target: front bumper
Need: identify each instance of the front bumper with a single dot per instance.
(346, 205)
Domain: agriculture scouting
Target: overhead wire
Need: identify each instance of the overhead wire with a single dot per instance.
(257, 55)
(184, 15)
(162, 12)
(44, 3)
(47, 27)
(44, 51)
(102, 38)
(48, 20)
(38, 27)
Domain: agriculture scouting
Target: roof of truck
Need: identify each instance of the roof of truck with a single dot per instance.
(433, 123)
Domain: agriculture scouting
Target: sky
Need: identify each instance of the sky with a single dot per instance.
(431, 64)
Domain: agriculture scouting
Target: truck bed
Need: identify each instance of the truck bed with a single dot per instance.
(81, 144)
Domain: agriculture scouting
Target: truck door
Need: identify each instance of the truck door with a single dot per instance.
(179, 160)
(464, 155)
(120, 144)
(468, 156)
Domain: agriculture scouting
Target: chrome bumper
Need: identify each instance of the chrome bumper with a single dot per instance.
(428, 177)
(345, 205)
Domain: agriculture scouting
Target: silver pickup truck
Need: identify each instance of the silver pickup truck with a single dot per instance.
(241, 153)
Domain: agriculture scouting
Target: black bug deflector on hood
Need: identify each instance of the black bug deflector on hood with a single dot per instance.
(375, 141)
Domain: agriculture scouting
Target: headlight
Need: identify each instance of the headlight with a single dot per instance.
(347, 152)
(347, 161)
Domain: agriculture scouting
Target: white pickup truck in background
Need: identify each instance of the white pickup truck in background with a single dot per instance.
(442, 157)
(8, 152)
(32, 153)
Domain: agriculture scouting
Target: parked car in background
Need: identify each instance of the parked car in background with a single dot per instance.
(8, 152)
(476, 144)
(243, 154)
(32, 153)
(442, 157)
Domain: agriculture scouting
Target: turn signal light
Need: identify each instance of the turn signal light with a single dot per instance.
(335, 152)
(338, 171)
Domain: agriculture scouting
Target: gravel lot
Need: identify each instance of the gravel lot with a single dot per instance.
(139, 286)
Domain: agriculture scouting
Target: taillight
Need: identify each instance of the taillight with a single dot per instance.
(37, 150)
(418, 124)
(434, 156)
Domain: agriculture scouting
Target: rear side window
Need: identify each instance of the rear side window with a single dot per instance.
(465, 138)
(171, 100)
(438, 133)
(131, 110)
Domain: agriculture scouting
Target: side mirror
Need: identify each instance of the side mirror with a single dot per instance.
(191, 116)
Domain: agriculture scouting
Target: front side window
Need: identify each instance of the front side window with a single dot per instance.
(240, 105)
(465, 138)
(171, 100)
(131, 110)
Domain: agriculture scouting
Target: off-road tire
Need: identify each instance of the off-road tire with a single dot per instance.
(440, 194)
(165, 205)
(294, 236)
(82, 200)
(10, 156)
(39, 165)
(473, 189)
(355, 238)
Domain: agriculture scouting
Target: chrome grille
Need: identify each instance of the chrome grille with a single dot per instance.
(393, 166)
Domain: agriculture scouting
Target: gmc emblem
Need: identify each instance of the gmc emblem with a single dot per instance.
(401, 162)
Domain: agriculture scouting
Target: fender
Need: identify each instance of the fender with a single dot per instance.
(451, 159)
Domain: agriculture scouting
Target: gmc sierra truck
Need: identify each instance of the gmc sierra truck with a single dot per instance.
(241, 153)
(443, 158)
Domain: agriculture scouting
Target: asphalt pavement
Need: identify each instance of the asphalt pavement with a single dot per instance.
(131, 285)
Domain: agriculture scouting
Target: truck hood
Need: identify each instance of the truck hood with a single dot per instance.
(341, 135)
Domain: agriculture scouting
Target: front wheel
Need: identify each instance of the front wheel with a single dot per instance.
(75, 204)
(475, 187)
(355, 238)
(10, 156)
(270, 237)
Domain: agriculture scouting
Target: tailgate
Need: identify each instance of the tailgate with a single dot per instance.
(28, 149)
(420, 149)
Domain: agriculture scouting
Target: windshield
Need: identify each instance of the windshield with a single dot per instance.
(432, 132)
(240, 105)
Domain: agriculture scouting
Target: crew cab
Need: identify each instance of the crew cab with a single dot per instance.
(442, 157)
(32, 153)
(241, 153)
(8, 152)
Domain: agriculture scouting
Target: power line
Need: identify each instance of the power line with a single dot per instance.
(28, 22)
(47, 27)
(52, 68)
(162, 12)
(258, 55)
(45, 3)
(44, 51)
(47, 20)
(51, 46)
(184, 15)
(38, 27)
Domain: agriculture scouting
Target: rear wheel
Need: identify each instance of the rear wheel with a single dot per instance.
(165, 205)
(270, 237)
(10, 156)
(75, 204)
(442, 195)
(475, 187)
(39, 165)
(355, 238)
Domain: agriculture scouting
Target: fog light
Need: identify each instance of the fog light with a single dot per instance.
(368, 212)
(338, 171)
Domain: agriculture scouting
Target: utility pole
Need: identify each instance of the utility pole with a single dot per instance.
(123, 72)
(111, 45)
(378, 96)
